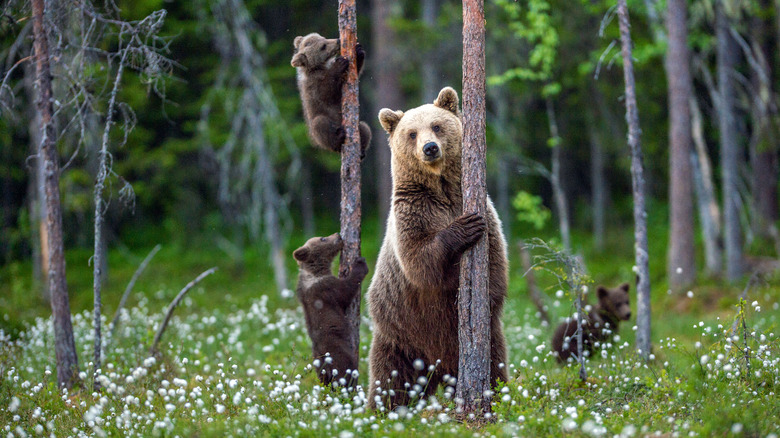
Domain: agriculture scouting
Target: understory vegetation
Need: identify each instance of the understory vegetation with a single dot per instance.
(236, 361)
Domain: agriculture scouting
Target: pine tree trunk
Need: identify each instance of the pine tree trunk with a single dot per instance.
(388, 93)
(680, 266)
(350, 164)
(64, 344)
(431, 82)
(561, 206)
(598, 184)
(643, 344)
(709, 211)
(763, 145)
(729, 148)
(473, 300)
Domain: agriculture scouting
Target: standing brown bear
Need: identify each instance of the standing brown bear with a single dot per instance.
(602, 320)
(321, 75)
(413, 294)
(325, 299)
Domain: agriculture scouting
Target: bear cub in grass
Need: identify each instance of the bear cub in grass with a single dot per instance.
(325, 299)
(413, 294)
(603, 319)
(321, 74)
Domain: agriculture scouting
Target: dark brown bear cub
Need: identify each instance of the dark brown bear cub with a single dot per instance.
(601, 321)
(321, 74)
(325, 299)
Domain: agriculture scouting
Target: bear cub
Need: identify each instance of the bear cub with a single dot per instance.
(321, 74)
(325, 298)
(612, 307)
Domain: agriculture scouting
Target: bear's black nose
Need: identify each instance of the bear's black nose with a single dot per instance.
(628, 315)
(431, 149)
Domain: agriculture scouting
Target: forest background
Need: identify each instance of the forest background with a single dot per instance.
(209, 154)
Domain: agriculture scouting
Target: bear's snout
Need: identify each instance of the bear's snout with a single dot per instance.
(628, 316)
(431, 150)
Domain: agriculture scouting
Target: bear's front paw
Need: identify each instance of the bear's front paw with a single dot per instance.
(339, 135)
(468, 228)
(341, 64)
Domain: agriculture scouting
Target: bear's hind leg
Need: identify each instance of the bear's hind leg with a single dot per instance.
(393, 369)
(365, 138)
(326, 134)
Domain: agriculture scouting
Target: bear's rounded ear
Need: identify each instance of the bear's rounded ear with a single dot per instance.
(448, 100)
(625, 287)
(297, 42)
(602, 292)
(299, 60)
(301, 254)
(389, 119)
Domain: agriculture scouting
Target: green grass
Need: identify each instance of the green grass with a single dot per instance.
(235, 359)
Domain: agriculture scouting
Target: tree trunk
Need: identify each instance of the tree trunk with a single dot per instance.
(643, 345)
(430, 70)
(388, 93)
(709, 211)
(350, 164)
(98, 259)
(598, 184)
(555, 179)
(729, 149)
(763, 144)
(37, 192)
(473, 300)
(64, 344)
(680, 266)
(530, 280)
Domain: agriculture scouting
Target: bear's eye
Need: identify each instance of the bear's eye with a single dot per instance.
(323, 47)
(412, 135)
(436, 128)
(323, 239)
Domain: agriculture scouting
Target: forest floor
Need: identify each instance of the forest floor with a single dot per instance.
(235, 361)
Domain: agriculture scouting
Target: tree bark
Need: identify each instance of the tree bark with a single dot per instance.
(64, 344)
(643, 344)
(561, 205)
(350, 164)
(430, 69)
(37, 192)
(384, 61)
(473, 300)
(598, 183)
(763, 144)
(729, 148)
(709, 211)
(680, 266)
(530, 280)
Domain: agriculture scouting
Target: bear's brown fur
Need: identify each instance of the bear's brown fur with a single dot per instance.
(321, 74)
(413, 294)
(612, 307)
(325, 299)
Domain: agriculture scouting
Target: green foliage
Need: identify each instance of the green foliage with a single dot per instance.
(530, 209)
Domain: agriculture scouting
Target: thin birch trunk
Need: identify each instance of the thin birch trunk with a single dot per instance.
(99, 256)
(64, 344)
(598, 184)
(350, 165)
(555, 179)
(643, 343)
(473, 387)
(729, 149)
(709, 211)
(530, 279)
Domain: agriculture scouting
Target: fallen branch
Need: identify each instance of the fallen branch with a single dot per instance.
(173, 305)
(130, 285)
